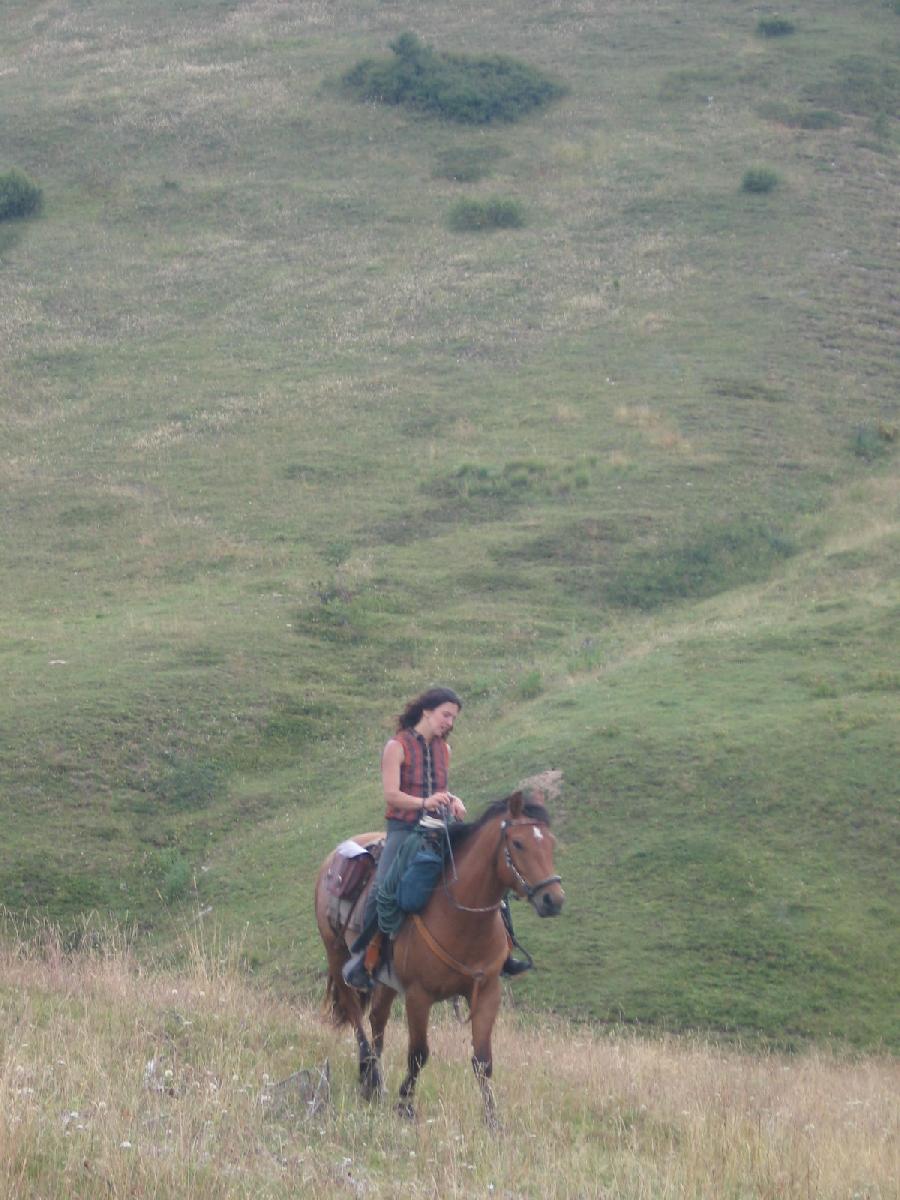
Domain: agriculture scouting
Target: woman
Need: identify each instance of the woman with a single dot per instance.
(415, 768)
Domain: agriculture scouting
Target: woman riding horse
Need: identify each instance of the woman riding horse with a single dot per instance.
(415, 767)
(456, 946)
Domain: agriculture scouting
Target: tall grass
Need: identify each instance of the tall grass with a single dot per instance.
(122, 1079)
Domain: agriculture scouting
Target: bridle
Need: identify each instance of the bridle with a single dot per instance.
(530, 889)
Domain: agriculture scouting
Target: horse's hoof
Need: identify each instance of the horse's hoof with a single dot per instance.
(406, 1110)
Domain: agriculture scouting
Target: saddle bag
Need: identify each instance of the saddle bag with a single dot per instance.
(349, 870)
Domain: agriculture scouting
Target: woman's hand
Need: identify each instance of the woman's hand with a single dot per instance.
(457, 808)
(436, 801)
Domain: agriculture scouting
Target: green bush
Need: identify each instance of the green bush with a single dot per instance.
(774, 27)
(457, 87)
(467, 216)
(759, 180)
(19, 197)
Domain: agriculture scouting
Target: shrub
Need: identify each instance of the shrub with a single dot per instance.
(774, 27)
(457, 87)
(19, 197)
(759, 180)
(468, 216)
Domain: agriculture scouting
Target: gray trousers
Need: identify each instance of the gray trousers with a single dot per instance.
(396, 836)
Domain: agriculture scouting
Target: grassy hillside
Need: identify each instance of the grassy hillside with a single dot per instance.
(280, 447)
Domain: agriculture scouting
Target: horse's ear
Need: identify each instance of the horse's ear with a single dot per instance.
(515, 803)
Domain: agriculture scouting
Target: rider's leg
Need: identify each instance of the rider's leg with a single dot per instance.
(354, 971)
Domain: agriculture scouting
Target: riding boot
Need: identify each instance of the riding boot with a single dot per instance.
(354, 971)
(513, 966)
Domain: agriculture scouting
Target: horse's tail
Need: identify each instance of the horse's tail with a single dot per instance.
(333, 1009)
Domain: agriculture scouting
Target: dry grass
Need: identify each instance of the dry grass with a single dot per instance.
(119, 1079)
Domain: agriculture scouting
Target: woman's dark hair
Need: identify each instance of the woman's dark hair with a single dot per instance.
(433, 698)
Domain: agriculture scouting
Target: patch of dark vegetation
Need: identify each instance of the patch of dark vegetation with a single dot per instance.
(202, 656)
(716, 560)
(89, 514)
(515, 481)
(292, 721)
(748, 389)
(759, 180)
(820, 118)
(773, 27)
(479, 216)
(456, 87)
(19, 195)
(466, 164)
(577, 543)
(861, 85)
(188, 784)
(39, 884)
(873, 442)
(800, 118)
(309, 472)
(172, 874)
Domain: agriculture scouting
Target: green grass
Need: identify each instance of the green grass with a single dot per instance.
(279, 448)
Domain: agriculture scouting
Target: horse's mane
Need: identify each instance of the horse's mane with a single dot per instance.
(460, 832)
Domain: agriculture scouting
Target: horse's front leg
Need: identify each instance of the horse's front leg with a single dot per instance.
(418, 1007)
(484, 1013)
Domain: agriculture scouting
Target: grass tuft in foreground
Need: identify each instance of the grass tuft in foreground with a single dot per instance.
(123, 1079)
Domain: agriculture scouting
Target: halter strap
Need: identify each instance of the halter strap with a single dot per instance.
(530, 889)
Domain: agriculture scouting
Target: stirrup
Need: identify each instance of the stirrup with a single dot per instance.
(354, 973)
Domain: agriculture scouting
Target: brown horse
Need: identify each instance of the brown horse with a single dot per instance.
(456, 946)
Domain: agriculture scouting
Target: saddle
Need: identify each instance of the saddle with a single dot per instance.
(346, 881)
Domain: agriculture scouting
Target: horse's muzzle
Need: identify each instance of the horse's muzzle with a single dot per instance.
(549, 902)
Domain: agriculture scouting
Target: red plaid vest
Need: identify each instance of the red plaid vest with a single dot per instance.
(425, 769)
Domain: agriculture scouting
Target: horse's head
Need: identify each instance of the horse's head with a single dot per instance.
(526, 856)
